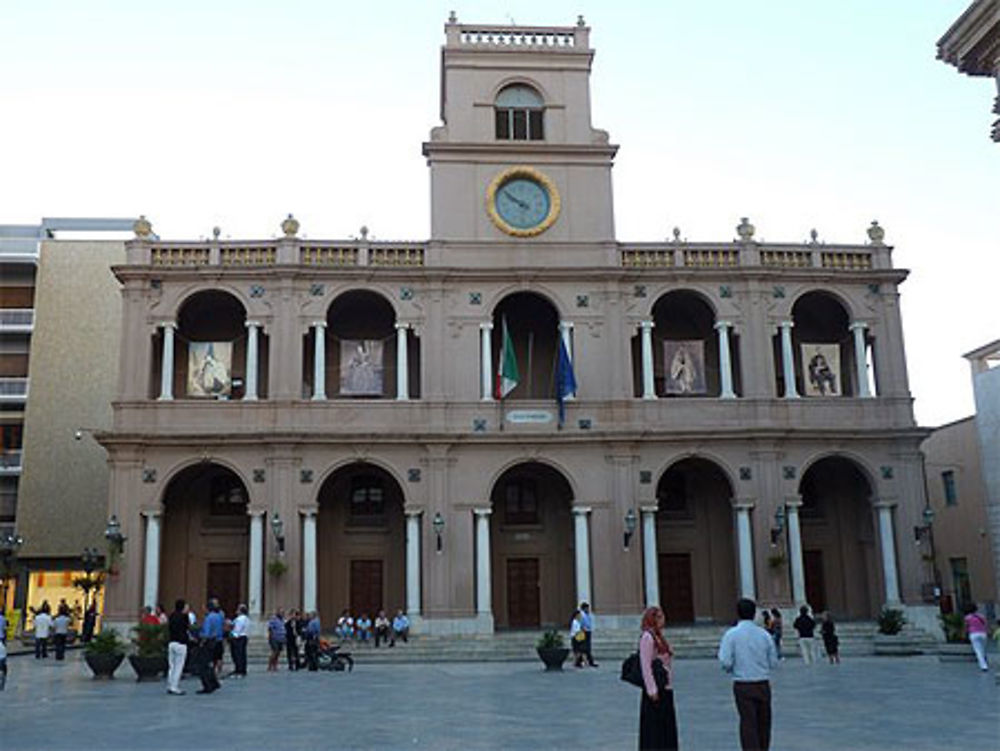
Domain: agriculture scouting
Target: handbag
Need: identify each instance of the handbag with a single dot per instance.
(632, 671)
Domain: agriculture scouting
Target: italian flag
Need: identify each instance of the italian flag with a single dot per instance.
(507, 374)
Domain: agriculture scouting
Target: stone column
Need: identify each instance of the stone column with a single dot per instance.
(413, 561)
(648, 384)
(484, 595)
(566, 334)
(250, 389)
(795, 550)
(887, 538)
(486, 360)
(402, 362)
(788, 359)
(650, 563)
(151, 579)
(744, 535)
(581, 528)
(308, 559)
(725, 361)
(255, 567)
(859, 328)
(319, 360)
(167, 364)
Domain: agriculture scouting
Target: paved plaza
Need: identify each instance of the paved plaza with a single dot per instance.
(865, 703)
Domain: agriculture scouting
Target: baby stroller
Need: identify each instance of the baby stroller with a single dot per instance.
(330, 657)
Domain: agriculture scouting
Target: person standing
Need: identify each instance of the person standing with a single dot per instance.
(275, 639)
(806, 628)
(178, 628)
(587, 624)
(211, 647)
(777, 627)
(238, 638)
(747, 652)
(831, 642)
(291, 640)
(657, 717)
(976, 629)
(89, 623)
(312, 642)
(43, 627)
(60, 632)
(576, 637)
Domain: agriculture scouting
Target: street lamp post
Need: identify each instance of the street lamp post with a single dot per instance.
(10, 543)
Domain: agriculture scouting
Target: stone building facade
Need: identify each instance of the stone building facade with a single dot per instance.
(972, 45)
(738, 422)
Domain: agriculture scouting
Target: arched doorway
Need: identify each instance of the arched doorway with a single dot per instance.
(531, 530)
(205, 537)
(533, 326)
(839, 554)
(694, 542)
(361, 542)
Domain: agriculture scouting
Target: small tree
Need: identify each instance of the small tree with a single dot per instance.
(953, 626)
(150, 640)
(890, 621)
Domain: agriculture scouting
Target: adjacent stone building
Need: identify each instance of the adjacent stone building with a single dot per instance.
(972, 45)
(316, 423)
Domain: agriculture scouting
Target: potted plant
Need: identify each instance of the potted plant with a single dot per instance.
(776, 560)
(277, 567)
(551, 649)
(104, 653)
(956, 647)
(149, 656)
(890, 640)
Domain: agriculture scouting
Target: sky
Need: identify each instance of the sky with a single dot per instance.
(797, 115)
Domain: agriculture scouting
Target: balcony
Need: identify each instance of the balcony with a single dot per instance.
(695, 256)
(18, 250)
(13, 390)
(10, 462)
(17, 320)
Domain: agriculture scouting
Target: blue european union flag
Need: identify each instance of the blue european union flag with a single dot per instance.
(565, 380)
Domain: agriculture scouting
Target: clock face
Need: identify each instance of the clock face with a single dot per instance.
(522, 203)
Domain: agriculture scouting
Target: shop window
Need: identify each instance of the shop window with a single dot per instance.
(519, 113)
(521, 502)
(950, 491)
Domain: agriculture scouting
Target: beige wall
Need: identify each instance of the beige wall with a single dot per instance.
(62, 497)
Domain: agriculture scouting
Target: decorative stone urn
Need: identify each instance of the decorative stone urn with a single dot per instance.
(290, 226)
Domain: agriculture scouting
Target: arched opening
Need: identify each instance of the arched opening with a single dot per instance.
(519, 114)
(532, 323)
(210, 350)
(822, 348)
(695, 542)
(205, 537)
(361, 542)
(839, 553)
(531, 532)
(685, 349)
(360, 348)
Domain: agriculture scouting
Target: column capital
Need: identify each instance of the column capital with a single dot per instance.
(786, 324)
(252, 324)
(151, 513)
(858, 325)
(564, 325)
(723, 325)
(887, 502)
(307, 511)
(483, 511)
(743, 503)
(167, 324)
(401, 326)
(581, 510)
(319, 324)
(793, 501)
(256, 511)
(486, 326)
(413, 511)
(648, 324)
(649, 509)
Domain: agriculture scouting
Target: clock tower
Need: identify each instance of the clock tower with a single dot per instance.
(516, 162)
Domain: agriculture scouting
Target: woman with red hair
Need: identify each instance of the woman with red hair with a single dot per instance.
(657, 721)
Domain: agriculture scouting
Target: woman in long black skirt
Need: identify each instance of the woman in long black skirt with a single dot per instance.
(657, 720)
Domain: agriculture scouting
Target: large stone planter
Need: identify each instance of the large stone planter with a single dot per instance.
(897, 645)
(103, 665)
(148, 668)
(956, 652)
(553, 657)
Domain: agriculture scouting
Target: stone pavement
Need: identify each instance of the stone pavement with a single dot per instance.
(865, 703)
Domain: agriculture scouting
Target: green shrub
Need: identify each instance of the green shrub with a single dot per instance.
(551, 639)
(276, 567)
(890, 621)
(953, 626)
(150, 640)
(107, 642)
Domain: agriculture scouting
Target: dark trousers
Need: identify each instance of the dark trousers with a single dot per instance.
(238, 649)
(3, 673)
(753, 702)
(312, 654)
(658, 722)
(41, 648)
(206, 666)
(60, 644)
(381, 634)
(586, 648)
(292, 650)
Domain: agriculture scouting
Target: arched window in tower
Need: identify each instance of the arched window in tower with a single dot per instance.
(519, 114)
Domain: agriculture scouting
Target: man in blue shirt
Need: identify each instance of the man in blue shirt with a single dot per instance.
(210, 650)
(587, 624)
(312, 641)
(747, 652)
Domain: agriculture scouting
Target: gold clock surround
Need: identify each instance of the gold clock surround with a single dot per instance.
(530, 173)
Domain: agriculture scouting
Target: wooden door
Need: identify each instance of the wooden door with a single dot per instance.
(366, 587)
(812, 562)
(523, 604)
(676, 589)
(223, 582)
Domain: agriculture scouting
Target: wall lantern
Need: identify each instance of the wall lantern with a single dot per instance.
(630, 523)
(113, 534)
(438, 525)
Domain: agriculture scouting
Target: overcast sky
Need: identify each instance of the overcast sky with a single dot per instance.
(798, 115)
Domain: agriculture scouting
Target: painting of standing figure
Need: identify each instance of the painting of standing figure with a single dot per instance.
(210, 368)
(685, 367)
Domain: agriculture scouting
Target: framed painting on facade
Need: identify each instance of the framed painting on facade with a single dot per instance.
(210, 368)
(685, 367)
(361, 367)
(821, 366)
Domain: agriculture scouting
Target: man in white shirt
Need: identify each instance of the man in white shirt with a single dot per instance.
(43, 627)
(747, 652)
(238, 642)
